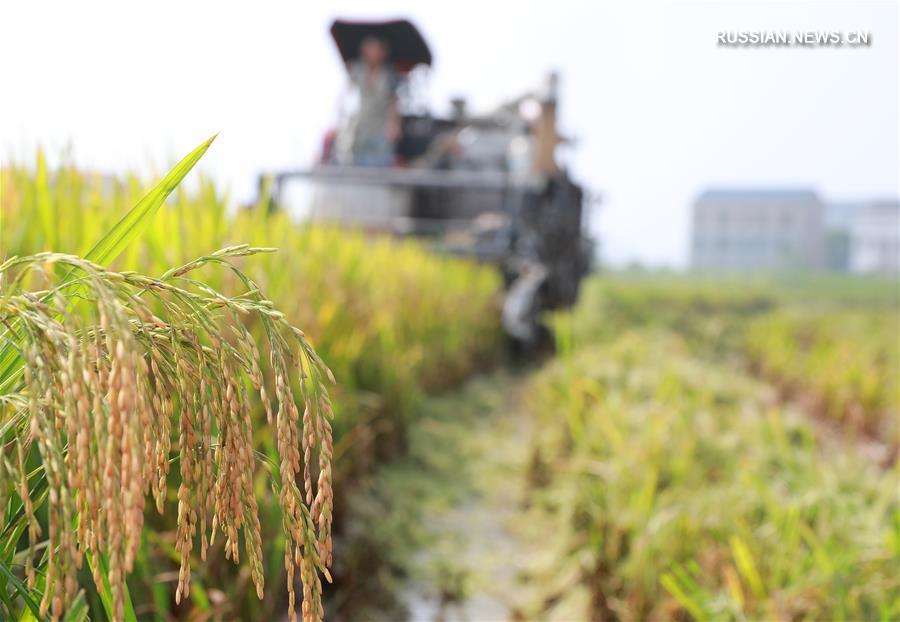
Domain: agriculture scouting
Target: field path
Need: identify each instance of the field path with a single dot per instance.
(464, 484)
(471, 567)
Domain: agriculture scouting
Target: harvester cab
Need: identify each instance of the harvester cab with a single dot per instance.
(486, 186)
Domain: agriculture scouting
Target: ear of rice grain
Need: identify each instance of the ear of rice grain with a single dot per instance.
(109, 378)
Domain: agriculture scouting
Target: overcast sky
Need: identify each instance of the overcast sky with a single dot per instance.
(660, 112)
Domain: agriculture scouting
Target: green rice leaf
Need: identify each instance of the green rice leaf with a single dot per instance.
(20, 589)
(744, 560)
(106, 250)
(106, 593)
(78, 611)
(137, 219)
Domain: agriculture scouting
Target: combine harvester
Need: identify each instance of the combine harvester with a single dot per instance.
(487, 186)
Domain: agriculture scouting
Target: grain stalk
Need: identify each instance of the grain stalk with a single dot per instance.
(116, 366)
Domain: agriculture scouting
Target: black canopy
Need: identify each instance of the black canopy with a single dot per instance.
(406, 44)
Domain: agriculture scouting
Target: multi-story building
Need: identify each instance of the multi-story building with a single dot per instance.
(874, 238)
(758, 230)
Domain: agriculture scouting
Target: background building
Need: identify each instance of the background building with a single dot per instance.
(758, 230)
(874, 238)
(838, 220)
(794, 229)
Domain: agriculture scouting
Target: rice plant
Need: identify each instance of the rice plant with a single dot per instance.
(107, 384)
(392, 320)
(105, 375)
(388, 315)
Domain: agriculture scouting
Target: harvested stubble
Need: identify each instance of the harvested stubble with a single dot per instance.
(112, 360)
(690, 490)
(830, 341)
(847, 361)
(686, 494)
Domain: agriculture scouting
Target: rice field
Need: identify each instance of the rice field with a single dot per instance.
(830, 342)
(666, 474)
(844, 362)
(699, 485)
(693, 493)
(392, 321)
(215, 413)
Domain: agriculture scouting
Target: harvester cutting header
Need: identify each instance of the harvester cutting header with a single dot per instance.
(487, 186)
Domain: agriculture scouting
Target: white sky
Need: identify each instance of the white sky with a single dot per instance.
(659, 111)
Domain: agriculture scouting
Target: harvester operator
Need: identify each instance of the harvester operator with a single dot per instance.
(375, 129)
